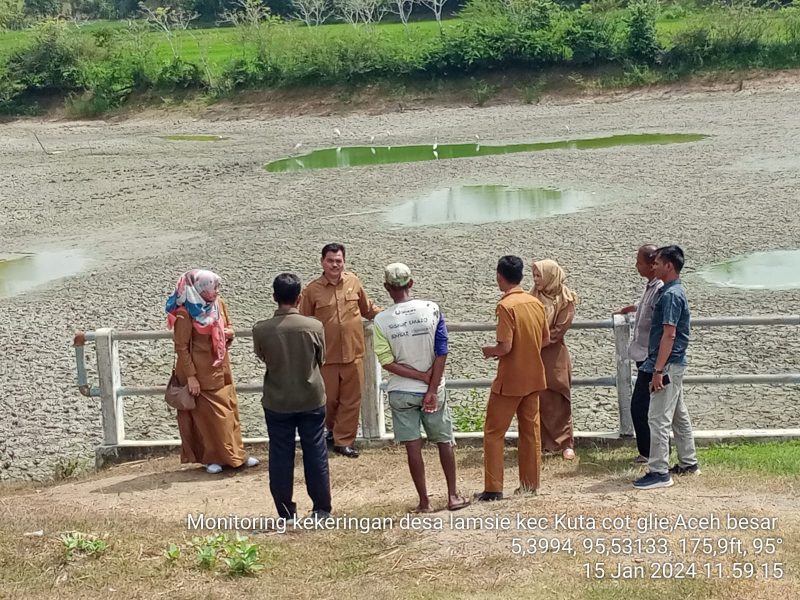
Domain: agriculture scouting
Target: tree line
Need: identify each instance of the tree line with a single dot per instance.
(18, 14)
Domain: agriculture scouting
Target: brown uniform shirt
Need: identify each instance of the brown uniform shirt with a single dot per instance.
(340, 308)
(196, 355)
(293, 349)
(521, 321)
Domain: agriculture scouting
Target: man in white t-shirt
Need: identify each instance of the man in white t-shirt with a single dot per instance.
(411, 344)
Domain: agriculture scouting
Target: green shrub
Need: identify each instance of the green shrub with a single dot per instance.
(532, 14)
(12, 14)
(42, 8)
(594, 38)
(498, 40)
(51, 63)
(643, 46)
(179, 74)
(690, 49)
(10, 90)
(675, 12)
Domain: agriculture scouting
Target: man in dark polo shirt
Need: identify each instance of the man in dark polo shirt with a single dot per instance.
(666, 360)
(522, 331)
(293, 349)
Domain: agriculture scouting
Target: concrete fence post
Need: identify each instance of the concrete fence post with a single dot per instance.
(622, 336)
(372, 425)
(109, 374)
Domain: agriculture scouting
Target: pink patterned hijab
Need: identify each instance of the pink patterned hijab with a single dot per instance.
(206, 316)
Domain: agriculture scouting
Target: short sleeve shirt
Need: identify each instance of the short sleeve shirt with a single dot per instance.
(521, 321)
(413, 334)
(340, 308)
(640, 344)
(671, 308)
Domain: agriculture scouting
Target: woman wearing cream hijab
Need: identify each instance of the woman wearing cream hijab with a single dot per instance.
(555, 406)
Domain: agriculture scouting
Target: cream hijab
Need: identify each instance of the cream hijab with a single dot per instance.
(553, 293)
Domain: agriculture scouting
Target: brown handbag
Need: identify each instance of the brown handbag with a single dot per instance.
(177, 395)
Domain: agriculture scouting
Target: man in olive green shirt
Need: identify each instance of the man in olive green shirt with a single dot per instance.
(293, 349)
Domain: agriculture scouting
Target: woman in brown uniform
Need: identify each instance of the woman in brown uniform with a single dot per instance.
(555, 407)
(210, 434)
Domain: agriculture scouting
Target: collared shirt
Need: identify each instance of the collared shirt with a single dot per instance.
(412, 334)
(293, 349)
(672, 308)
(339, 307)
(521, 321)
(637, 349)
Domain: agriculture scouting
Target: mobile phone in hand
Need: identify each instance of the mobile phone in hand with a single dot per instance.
(665, 379)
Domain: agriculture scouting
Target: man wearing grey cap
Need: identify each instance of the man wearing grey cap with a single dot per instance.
(411, 344)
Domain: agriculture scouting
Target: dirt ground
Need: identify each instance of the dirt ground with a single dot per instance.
(140, 508)
(142, 210)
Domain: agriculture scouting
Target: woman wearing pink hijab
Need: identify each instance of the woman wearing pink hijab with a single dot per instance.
(210, 434)
(555, 403)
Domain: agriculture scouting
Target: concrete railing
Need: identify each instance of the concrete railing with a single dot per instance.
(112, 391)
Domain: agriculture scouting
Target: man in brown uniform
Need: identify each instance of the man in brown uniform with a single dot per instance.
(338, 299)
(521, 333)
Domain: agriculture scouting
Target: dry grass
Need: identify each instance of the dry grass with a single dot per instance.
(139, 509)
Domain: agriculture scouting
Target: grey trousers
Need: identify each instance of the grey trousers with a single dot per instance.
(668, 411)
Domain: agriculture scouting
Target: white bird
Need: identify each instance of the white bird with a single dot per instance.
(388, 132)
(567, 128)
(371, 139)
(337, 132)
(477, 137)
(297, 146)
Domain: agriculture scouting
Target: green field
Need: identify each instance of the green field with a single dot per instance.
(220, 44)
(223, 43)
(98, 67)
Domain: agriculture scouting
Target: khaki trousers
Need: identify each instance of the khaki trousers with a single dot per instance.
(499, 412)
(343, 385)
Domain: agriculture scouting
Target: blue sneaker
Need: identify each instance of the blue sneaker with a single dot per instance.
(652, 481)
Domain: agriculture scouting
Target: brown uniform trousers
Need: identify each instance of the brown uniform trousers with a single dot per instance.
(521, 322)
(499, 412)
(343, 384)
(340, 307)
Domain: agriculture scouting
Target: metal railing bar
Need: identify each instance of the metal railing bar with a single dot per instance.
(456, 327)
